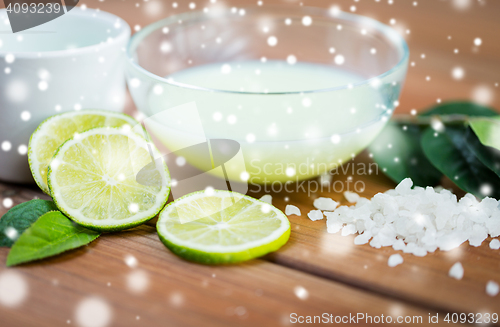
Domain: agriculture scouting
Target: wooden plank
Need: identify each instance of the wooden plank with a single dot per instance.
(421, 280)
(176, 292)
(430, 23)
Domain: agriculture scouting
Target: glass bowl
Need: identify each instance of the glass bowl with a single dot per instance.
(300, 89)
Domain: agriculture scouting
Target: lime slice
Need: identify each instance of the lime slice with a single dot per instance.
(93, 179)
(55, 130)
(215, 227)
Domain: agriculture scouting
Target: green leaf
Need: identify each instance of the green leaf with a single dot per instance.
(51, 234)
(398, 152)
(450, 154)
(489, 156)
(487, 130)
(20, 217)
(460, 108)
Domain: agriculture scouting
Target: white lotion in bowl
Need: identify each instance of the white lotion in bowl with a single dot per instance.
(300, 89)
(327, 128)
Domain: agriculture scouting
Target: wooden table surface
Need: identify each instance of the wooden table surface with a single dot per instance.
(315, 272)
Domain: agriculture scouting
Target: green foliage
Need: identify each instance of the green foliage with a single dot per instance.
(460, 140)
(398, 152)
(51, 234)
(460, 108)
(20, 217)
(448, 152)
(487, 130)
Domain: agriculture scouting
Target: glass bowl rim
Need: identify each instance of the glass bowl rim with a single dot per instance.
(392, 35)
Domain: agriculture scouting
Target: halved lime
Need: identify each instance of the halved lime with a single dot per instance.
(214, 227)
(93, 179)
(55, 130)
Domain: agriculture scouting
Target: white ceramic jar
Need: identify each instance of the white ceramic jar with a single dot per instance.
(70, 63)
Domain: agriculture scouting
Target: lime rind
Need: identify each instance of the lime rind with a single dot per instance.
(215, 258)
(219, 254)
(43, 129)
(109, 225)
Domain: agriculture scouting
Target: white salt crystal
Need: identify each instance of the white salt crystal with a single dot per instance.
(348, 229)
(387, 236)
(469, 200)
(326, 204)
(333, 227)
(404, 187)
(479, 234)
(430, 247)
(267, 198)
(451, 240)
(375, 242)
(363, 238)
(493, 225)
(495, 244)
(492, 288)
(394, 260)
(332, 215)
(398, 245)
(488, 205)
(456, 271)
(419, 251)
(315, 215)
(410, 247)
(292, 210)
(352, 197)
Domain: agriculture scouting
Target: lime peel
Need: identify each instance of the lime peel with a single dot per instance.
(55, 130)
(248, 229)
(92, 179)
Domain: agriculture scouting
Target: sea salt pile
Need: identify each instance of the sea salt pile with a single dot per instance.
(417, 220)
